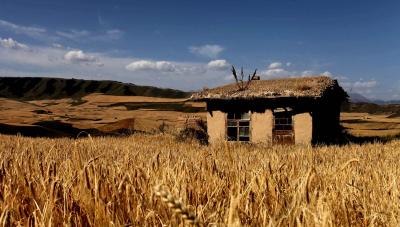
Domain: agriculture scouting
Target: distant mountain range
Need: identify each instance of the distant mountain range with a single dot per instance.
(34, 88)
(358, 98)
(361, 104)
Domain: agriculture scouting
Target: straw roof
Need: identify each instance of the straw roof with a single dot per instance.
(286, 87)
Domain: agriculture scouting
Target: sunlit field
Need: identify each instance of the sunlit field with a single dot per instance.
(153, 180)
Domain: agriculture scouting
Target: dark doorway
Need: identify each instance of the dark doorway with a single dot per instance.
(282, 132)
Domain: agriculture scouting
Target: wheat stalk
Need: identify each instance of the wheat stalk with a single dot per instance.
(348, 163)
(176, 205)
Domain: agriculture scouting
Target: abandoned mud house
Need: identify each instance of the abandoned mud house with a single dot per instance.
(291, 110)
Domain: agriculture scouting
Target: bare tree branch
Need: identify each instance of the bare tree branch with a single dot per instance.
(235, 76)
(240, 82)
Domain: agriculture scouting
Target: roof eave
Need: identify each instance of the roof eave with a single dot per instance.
(205, 99)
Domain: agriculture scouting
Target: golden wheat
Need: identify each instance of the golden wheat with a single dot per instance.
(176, 205)
(110, 182)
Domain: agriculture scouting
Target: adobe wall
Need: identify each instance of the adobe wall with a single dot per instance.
(261, 127)
(216, 126)
(302, 128)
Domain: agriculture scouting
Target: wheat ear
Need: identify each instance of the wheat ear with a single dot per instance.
(348, 163)
(176, 205)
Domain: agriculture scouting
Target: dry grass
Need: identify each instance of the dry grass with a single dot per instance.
(313, 86)
(110, 182)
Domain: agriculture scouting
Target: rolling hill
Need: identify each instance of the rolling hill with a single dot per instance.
(360, 104)
(358, 98)
(37, 88)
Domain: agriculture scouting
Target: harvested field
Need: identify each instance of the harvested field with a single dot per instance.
(365, 125)
(96, 113)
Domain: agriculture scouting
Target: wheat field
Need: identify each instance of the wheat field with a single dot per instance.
(153, 180)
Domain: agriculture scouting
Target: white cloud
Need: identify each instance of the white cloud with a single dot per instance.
(12, 44)
(82, 36)
(57, 45)
(278, 64)
(210, 51)
(314, 73)
(220, 64)
(336, 77)
(56, 61)
(327, 73)
(278, 69)
(113, 34)
(146, 65)
(275, 65)
(59, 62)
(342, 78)
(85, 35)
(307, 73)
(176, 68)
(74, 34)
(365, 84)
(360, 84)
(276, 72)
(229, 78)
(31, 31)
(364, 87)
(78, 56)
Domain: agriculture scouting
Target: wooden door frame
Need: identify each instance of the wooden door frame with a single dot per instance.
(291, 132)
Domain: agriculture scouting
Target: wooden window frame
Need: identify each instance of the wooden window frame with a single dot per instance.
(237, 125)
(283, 132)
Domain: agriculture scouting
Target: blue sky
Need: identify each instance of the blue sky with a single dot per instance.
(191, 44)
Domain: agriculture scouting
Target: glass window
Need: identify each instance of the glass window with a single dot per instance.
(231, 123)
(283, 121)
(282, 132)
(245, 116)
(244, 123)
(232, 133)
(244, 131)
(238, 126)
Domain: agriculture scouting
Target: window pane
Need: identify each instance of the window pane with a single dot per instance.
(245, 116)
(244, 123)
(238, 116)
(238, 126)
(283, 122)
(232, 123)
(244, 131)
(232, 133)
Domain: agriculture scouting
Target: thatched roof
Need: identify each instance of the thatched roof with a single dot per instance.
(286, 87)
